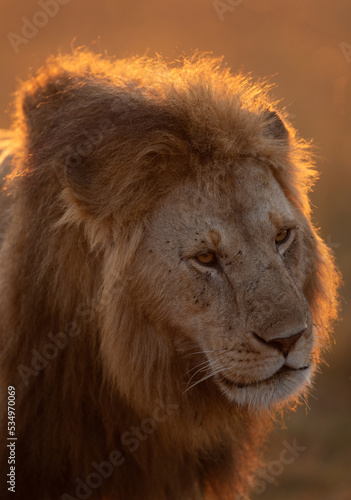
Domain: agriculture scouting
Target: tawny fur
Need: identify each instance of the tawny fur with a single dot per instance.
(97, 146)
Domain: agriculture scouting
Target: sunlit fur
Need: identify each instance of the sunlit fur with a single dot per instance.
(95, 232)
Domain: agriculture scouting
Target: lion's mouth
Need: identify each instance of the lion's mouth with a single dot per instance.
(275, 376)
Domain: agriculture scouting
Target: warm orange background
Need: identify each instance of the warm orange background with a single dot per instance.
(297, 43)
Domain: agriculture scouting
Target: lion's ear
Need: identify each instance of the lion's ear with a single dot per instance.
(66, 119)
(273, 126)
(40, 99)
(101, 144)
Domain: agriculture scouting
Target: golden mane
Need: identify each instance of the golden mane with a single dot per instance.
(96, 145)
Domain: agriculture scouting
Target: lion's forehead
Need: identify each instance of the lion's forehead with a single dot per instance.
(251, 200)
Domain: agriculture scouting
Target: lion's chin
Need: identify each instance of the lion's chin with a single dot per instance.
(282, 386)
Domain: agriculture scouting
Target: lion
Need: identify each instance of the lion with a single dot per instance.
(163, 290)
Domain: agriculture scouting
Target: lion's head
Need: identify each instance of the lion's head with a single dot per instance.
(163, 211)
(228, 272)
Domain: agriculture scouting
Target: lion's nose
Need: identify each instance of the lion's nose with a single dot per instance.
(283, 344)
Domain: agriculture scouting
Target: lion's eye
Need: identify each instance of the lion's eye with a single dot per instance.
(207, 258)
(282, 236)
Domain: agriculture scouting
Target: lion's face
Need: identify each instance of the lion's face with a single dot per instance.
(227, 272)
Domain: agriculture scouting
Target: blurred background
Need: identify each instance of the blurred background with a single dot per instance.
(305, 48)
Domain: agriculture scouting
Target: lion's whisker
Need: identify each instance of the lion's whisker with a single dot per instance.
(204, 352)
(214, 369)
(213, 373)
(206, 362)
(199, 371)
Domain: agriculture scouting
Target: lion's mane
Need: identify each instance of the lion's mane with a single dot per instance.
(95, 145)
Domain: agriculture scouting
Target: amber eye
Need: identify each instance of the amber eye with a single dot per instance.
(206, 258)
(282, 236)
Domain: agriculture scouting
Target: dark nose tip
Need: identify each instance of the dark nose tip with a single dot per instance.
(283, 344)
